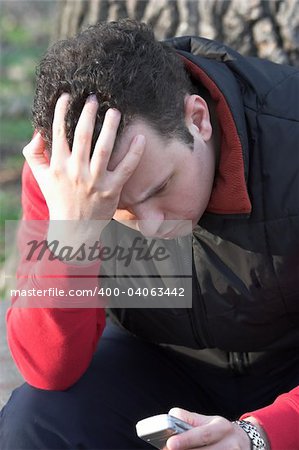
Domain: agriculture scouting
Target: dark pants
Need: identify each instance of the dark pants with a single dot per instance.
(128, 380)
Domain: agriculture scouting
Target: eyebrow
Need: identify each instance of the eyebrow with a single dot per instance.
(150, 192)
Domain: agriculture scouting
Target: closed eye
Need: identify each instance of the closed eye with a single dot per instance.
(163, 188)
(155, 192)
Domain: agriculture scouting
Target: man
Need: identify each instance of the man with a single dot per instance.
(160, 134)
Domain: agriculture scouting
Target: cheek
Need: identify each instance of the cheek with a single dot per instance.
(188, 203)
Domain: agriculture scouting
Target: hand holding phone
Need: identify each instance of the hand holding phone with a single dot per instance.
(156, 430)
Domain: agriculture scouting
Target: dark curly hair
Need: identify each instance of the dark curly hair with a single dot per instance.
(123, 64)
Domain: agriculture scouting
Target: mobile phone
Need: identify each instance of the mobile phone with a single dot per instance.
(157, 429)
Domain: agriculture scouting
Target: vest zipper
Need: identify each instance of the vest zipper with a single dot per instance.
(198, 316)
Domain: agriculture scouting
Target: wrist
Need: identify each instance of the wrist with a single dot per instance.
(261, 430)
(257, 439)
(244, 439)
(74, 242)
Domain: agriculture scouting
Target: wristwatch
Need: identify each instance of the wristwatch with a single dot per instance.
(257, 442)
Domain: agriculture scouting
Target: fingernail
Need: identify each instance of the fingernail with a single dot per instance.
(114, 112)
(64, 95)
(92, 98)
(37, 137)
(139, 139)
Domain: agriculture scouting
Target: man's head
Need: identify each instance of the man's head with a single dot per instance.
(127, 69)
(170, 189)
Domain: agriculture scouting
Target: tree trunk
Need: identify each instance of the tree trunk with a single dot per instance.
(268, 29)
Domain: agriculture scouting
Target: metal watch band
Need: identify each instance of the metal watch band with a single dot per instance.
(257, 442)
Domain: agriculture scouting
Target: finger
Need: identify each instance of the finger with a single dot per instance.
(60, 148)
(193, 419)
(35, 156)
(105, 142)
(129, 163)
(84, 131)
(201, 436)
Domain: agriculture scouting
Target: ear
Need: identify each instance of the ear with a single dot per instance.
(197, 116)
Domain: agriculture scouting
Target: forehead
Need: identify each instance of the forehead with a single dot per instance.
(122, 145)
(154, 165)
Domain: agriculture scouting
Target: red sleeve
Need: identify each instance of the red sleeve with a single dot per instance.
(281, 421)
(52, 347)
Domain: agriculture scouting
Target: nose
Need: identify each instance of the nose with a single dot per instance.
(149, 220)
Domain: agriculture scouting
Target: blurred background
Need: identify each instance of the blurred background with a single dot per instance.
(268, 29)
(25, 30)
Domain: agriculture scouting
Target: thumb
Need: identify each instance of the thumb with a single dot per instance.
(191, 418)
(34, 153)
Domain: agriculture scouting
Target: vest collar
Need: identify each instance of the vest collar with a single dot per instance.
(229, 194)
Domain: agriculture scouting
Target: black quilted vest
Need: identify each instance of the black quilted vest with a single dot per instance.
(245, 265)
